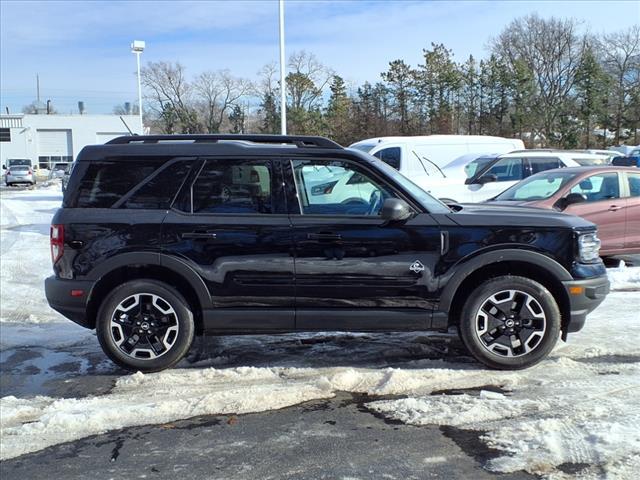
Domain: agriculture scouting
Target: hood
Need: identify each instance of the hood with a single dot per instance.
(508, 214)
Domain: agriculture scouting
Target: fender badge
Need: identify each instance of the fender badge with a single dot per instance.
(417, 267)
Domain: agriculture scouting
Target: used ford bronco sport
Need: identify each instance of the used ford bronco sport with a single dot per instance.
(160, 238)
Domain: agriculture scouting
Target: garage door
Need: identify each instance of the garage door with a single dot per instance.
(54, 143)
(104, 137)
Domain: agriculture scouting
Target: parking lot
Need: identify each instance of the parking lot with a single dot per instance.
(325, 405)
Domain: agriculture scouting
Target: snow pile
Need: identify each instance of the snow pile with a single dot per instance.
(566, 412)
(624, 277)
(24, 254)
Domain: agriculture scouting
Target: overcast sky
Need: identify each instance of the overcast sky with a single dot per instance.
(81, 49)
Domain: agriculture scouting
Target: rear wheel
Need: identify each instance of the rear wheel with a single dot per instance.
(510, 322)
(145, 325)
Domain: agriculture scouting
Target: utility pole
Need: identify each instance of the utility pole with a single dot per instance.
(283, 90)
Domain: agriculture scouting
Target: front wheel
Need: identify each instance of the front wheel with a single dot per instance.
(510, 322)
(145, 325)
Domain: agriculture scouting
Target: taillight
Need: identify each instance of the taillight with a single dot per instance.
(57, 242)
(30, 172)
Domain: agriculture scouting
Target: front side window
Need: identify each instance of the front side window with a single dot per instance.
(506, 170)
(599, 187)
(390, 156)
(225, 186)
(337, 188)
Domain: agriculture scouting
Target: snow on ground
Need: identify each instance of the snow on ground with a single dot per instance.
(579, 406)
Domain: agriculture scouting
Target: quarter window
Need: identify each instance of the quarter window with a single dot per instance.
(230, 187)
(337, 188)
(598, 187)
(5, 134)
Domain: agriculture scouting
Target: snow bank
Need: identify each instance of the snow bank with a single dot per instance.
(624, 278)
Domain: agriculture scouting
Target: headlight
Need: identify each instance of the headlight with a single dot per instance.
(588, 247)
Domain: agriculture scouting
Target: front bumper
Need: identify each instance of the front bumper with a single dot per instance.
(58, 293)
(584, 297)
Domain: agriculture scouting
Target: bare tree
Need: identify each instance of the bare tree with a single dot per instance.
(171, 97)
(621, 57)
(551, 49)
(218, 92)
(306, 80)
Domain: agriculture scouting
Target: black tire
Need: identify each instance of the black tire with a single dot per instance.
(181, 316)
(542, 316)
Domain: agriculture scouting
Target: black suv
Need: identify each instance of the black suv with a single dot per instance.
(160, 238)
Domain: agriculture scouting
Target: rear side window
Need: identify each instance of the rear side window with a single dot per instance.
(542, 164)
(225, 186)
(104, 183)
(390, 156)
(634, 184)
(159, 191)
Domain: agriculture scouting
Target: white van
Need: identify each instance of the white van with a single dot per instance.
(427, 155)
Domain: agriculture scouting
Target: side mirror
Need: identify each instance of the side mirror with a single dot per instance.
(482, 180)
(395, 209)
(570, 199)
(4, 167)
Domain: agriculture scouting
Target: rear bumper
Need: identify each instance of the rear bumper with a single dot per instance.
(584, 297)
(58, 292)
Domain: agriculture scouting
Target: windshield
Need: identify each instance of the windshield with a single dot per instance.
(427, 201)
(591, 161)
(537, 187)
(363, 147)
(18, 161)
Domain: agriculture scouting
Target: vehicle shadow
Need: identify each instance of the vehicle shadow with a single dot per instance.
(332, 349)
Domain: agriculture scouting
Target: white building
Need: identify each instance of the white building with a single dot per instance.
(49, 139)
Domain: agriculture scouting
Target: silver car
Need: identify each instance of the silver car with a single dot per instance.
(20, 174)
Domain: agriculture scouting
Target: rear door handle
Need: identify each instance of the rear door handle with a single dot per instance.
(324, 236)
(199, 235)
(614, 208)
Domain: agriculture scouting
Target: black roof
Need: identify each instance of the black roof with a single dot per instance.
(202, 145)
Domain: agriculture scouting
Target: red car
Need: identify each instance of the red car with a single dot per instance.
(607, 196)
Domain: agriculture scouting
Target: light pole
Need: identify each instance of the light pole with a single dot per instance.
(137, 47)
(283, 90)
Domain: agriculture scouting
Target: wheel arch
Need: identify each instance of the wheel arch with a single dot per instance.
(132, 266)
(533, 265)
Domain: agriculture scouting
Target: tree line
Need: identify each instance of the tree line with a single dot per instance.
(543, 81)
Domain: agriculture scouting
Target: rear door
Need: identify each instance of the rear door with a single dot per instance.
(230, 225)
(604, 207)
(353, 271)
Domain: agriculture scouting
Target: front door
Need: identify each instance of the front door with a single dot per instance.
(604, 207)
(229, 224)
(353, 271)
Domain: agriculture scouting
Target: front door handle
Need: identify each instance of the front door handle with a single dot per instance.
(614, 208)
(324, 236)
(199, 235)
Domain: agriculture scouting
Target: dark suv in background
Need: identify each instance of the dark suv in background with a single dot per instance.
(160, 238)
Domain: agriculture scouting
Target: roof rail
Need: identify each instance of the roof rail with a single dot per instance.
(537, 150)
(301, 141)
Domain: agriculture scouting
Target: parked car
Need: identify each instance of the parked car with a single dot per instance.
(147, 251)
(426, 155)
(19, 174)
(486, 176)
(606, 196)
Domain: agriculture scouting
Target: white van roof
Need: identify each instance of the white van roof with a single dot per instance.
(437, 139)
